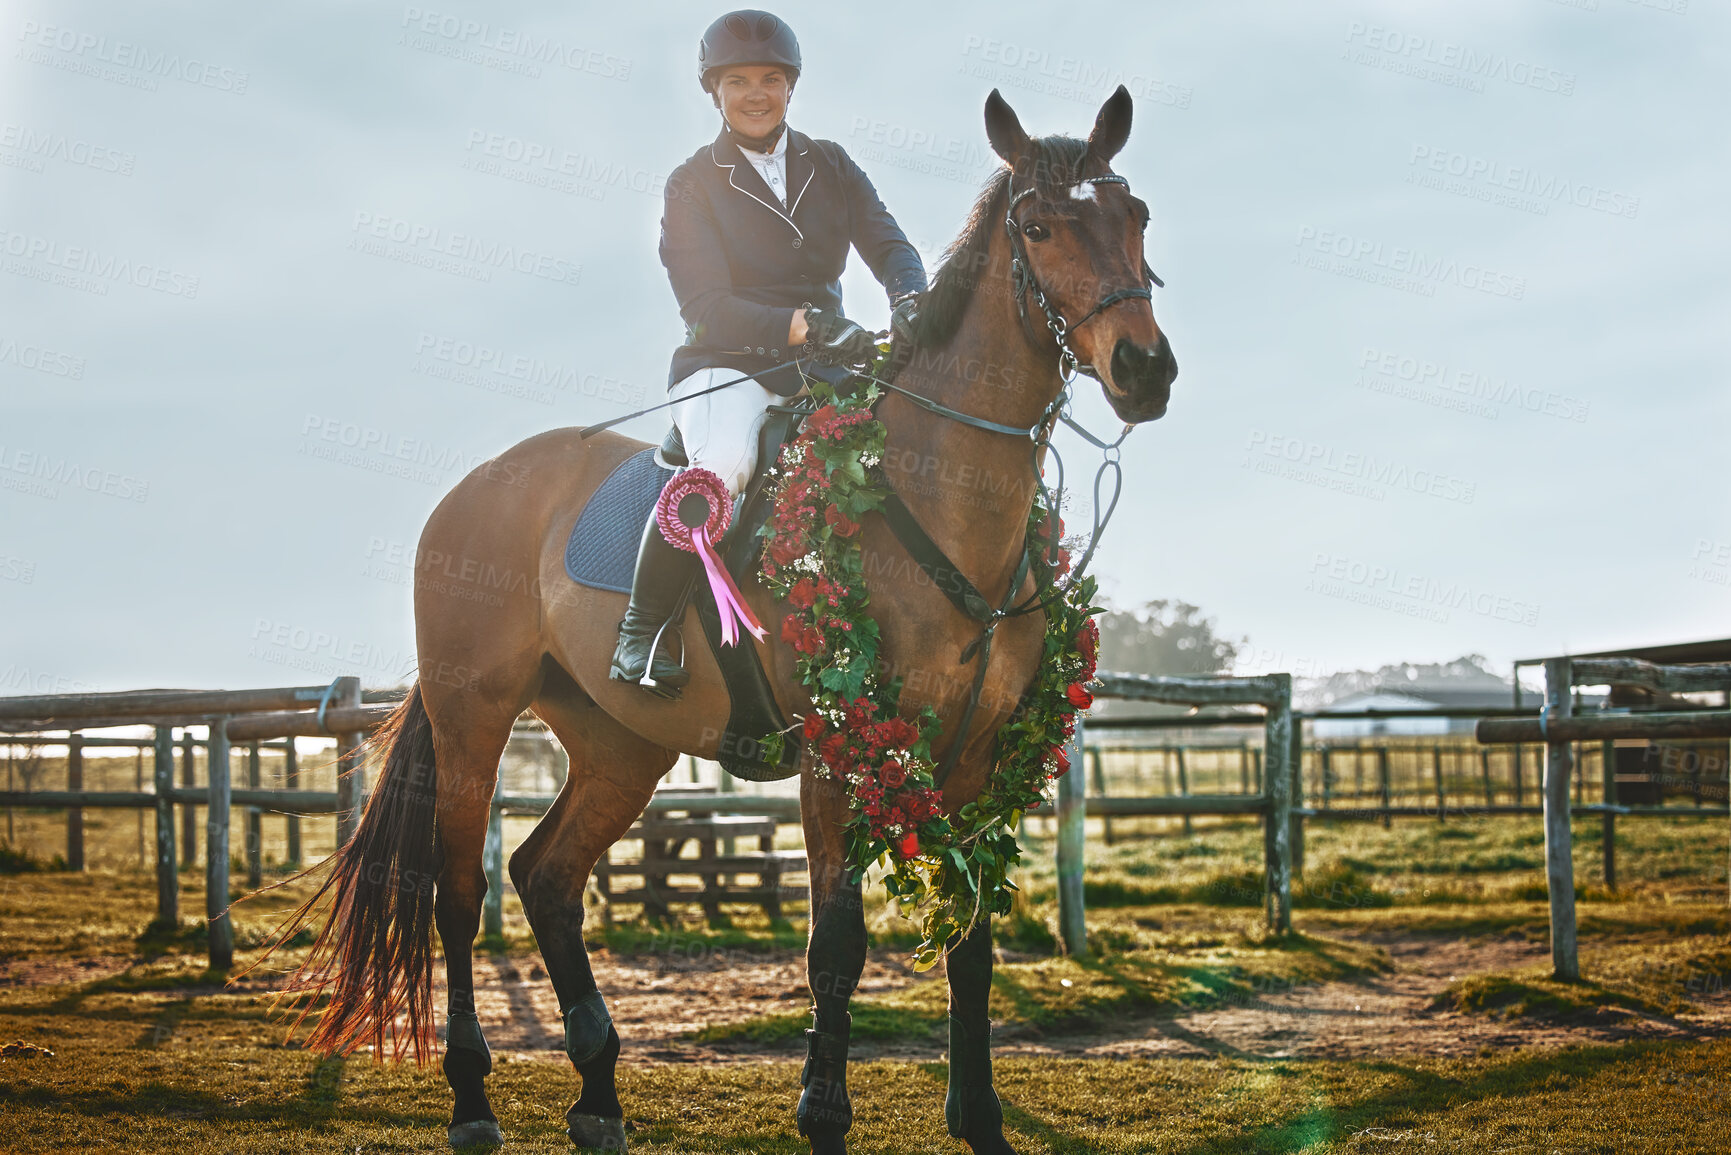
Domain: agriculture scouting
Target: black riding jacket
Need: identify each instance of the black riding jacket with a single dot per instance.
(741, 264)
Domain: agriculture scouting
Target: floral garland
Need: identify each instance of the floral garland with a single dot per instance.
(948, 868)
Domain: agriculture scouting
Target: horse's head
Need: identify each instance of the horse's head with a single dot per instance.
(1077, 228)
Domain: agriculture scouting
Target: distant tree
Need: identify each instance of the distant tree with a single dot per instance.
(1164, 637)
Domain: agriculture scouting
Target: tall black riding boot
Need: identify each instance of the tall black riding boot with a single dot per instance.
(663, 571)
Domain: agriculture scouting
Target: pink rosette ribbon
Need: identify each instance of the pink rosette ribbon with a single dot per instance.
(693, 511)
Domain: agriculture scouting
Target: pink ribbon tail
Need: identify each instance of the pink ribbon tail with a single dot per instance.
(729, 602)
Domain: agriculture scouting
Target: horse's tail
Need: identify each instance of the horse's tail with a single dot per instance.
(374, 955)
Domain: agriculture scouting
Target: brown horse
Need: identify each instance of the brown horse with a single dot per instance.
(543, 644)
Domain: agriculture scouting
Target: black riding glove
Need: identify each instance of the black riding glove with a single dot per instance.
(835, 340)
(904, 314)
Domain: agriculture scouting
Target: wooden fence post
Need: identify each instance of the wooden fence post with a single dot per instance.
(1072, 833)
(1608, 754)
(1436, 771)
(254, 822)
(1295, 799)
(167, 880)
(1184, 784)
(1325, 764)
(1559, 860)
(74, 815)
(493, 862)
(1520, 791)
(138, 788)
(351, 769)
(216, 848)
(1096, 762)
(1277, 825)
(1385, 783)
(188, 812)
(291, 774)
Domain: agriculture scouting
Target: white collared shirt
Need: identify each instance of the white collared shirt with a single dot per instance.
(772, 166)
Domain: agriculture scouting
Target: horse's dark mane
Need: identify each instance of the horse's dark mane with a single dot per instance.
(1054, 162)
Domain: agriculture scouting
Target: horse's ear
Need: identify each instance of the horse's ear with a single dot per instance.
(1112, 126)
(1003, 129)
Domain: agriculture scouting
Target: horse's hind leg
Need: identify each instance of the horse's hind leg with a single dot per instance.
(613, 772)
(971, 1108)
(469, 744)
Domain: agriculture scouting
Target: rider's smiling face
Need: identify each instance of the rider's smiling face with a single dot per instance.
(753, 98)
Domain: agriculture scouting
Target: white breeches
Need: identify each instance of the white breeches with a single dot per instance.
(720, 430)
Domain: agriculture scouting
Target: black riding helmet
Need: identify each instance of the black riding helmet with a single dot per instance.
(746, 37)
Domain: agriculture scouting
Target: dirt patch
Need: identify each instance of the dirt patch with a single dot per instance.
(656, 1002)
(1376, 1016)
(50, 970)
(656, 1005)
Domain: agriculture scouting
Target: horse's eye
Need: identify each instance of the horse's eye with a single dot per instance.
(1035, 231)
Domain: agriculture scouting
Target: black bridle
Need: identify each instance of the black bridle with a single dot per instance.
(931, 558)
(1024, 282)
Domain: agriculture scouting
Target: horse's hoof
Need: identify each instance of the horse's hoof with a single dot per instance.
(477, 1133)
(595, 1131)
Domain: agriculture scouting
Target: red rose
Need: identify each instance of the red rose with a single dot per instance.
(910, 846)
(1088, 642)
(1063, 761)
(892, 775)
(785, 549)
(814, 725)
(790, 628)
(810, 640)
(832, 747)
(819, 423)
(843, 525)
(1079, 696)
(802, 595)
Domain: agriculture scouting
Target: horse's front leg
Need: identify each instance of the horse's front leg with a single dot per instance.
(834, 957)
(971, 1108)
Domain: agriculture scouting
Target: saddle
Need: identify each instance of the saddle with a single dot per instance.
(602, 550)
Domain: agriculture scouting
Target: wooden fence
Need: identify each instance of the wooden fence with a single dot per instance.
(342, 711)
(1273, 801)
(1558, 728)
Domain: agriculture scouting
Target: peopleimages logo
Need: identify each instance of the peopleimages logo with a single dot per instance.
(39, 146)
(80, 48)
(1466, 390)
(431, 243)
(26, 355)
(1360, 474)
(1415, 595)
(472, 39)
(1462, 66)
(44, 255)
(1371, 260)
(1517, 186)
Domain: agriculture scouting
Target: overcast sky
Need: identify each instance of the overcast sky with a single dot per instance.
(1446, 283)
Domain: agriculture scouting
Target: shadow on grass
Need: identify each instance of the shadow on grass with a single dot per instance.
(1420, 1092)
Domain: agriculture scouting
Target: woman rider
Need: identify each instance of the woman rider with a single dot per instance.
(755, 232)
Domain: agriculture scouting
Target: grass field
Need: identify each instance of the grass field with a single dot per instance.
(151, 1052)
